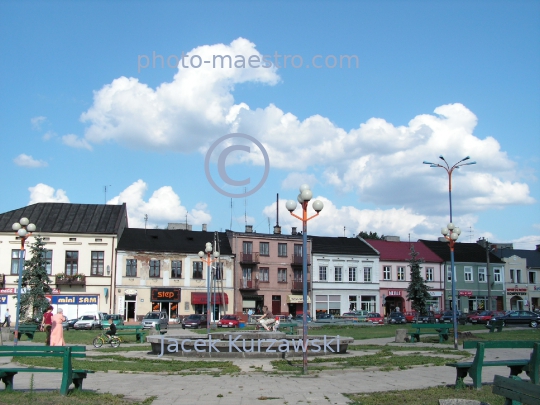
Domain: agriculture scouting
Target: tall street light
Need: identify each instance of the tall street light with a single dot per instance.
(450, 169)
(451, 234)
(24, 229)
(303, 198)
(208, 260)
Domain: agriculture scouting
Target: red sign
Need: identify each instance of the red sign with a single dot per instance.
(394, 292)
(7, 291)
(465, 293)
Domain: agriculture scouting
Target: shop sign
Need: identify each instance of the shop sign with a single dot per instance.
(394, 292)
(165, 294)
(75, 299)
(465, 294)
(515, 293)
(536, 288)
(435, 293)
(3, 299)
(516, 289)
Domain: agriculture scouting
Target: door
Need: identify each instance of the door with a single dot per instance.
(276, 304)
(247, 250)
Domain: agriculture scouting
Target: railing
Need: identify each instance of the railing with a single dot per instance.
(298, 260)
(299, 286)
(248, 284)
(249, 258)
(64, 279)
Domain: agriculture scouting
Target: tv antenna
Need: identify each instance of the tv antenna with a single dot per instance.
(105, 190)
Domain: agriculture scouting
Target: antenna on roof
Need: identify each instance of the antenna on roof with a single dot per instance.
(230, 226)
(344, 230)
(245, 207)
(277, 209)
(105, 190)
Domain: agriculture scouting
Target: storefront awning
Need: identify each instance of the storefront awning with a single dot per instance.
(198, 298)
(297, 299)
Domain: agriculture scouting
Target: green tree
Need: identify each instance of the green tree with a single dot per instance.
(418, 290)
(370, 235)
(35, 281)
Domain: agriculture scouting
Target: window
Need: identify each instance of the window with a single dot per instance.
(468, 273)
(264, 276)
(98, 240)
(298, 250)
(72, 239)
(297, 275)
(322, 273)
(352, 273)
(512, 275)
(387, 273)
(264, 248)
(154, 268)
(282, 249)
(367, 274)
(532, 277)
(98, 260)
(518, 276)
(176, 269)
(401, 273)
(197, 270)
(337, 274)
(218, 271)
(131, 268)
(72, 262)
(429, 273)
(282, 275)
(48, 261)
(482, 274)
(15, 261)
(247, 247)
(497, 275)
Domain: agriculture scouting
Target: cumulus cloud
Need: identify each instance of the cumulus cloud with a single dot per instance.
(37, 121)
(49, 135)
(162, 207)
(75, 142)
(28, 161)
(527, 242)
(41, 193)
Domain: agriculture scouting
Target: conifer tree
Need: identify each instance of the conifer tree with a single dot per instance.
(35, 281)
(418, 290)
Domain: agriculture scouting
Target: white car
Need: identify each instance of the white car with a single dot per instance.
(88, 322)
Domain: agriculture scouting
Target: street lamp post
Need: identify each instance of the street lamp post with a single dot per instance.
(451, 234)
(303, 198)
(24, 229)
(208, 260)
(450, 169)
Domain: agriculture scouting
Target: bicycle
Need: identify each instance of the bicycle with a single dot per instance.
(113, 340)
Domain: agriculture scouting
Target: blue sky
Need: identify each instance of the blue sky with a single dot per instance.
(79, 111)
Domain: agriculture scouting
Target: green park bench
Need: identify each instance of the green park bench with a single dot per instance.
(515, 391)
(474, 369)
(429, 329)
(288, 327)
(495, 326)
(69, 375)
(28, 329)
(131, 330)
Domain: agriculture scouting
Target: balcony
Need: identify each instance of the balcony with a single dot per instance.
(297, 260)
(249, 258)
(64, 279)
(2, 280)
(298, 286)
(248, 285)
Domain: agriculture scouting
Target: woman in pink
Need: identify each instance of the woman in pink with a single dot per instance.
(57, 330)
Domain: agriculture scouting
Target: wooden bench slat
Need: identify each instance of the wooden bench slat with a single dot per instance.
(516, 390)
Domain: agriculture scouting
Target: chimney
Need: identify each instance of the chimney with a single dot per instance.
(249, 228)
(277, 230)
(391, 238)
(204, 227)
(293, 232)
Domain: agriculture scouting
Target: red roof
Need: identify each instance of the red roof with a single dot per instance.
(400, 251)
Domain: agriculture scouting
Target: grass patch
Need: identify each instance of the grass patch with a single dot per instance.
(411, 348)
(77, 337)
(138, 348)
(74, 398)
(126, 364)
(428, 396)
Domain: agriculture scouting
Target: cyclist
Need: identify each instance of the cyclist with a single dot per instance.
(112, 329)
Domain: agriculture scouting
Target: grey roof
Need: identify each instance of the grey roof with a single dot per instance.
(531, 256)
(340, 245)
(69, 218)
(170, 240)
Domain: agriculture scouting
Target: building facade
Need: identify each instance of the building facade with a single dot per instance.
(345, 275)
(160, 270)
(81, 244)
(523, 282)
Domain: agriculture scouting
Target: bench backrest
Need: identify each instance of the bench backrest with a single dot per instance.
(500, 344)
(522, 391)
(126, 327)
(429, 326)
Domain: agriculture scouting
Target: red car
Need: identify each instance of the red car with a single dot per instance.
(484, 316)
(229, 321)
(410, 316)
(376, 318)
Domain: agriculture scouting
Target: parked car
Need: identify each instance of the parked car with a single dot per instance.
(410, 316)
(376, 318)
(466, 317)
(518, 318)
(300, 318)
(229, 321)
(69, 324)
(324, 315)
(194, 321)
(360, 315)
(438, 315)
(396, 317)
(428, 317)
(117, 320)
(151, 319)
(87, 322)
(447, 316)
(485, 316)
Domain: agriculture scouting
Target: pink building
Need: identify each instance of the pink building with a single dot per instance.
(268, 271)
(395, 274)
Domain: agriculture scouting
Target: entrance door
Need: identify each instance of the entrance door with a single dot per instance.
(276, 304)
(130, 307)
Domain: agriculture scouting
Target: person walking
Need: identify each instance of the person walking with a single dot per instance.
(57, 330)
(7, 319)
(46, 325)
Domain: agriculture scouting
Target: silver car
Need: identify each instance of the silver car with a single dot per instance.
(151, 319)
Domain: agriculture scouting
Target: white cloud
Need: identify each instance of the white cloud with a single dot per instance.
(49, 135)
(28, 161)
(37, 121)
(41, 193)
(295, 179)
(527, 242)
(162, 207)
(75, 142)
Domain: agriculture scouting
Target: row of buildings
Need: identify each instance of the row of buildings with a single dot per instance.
(97, 263)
